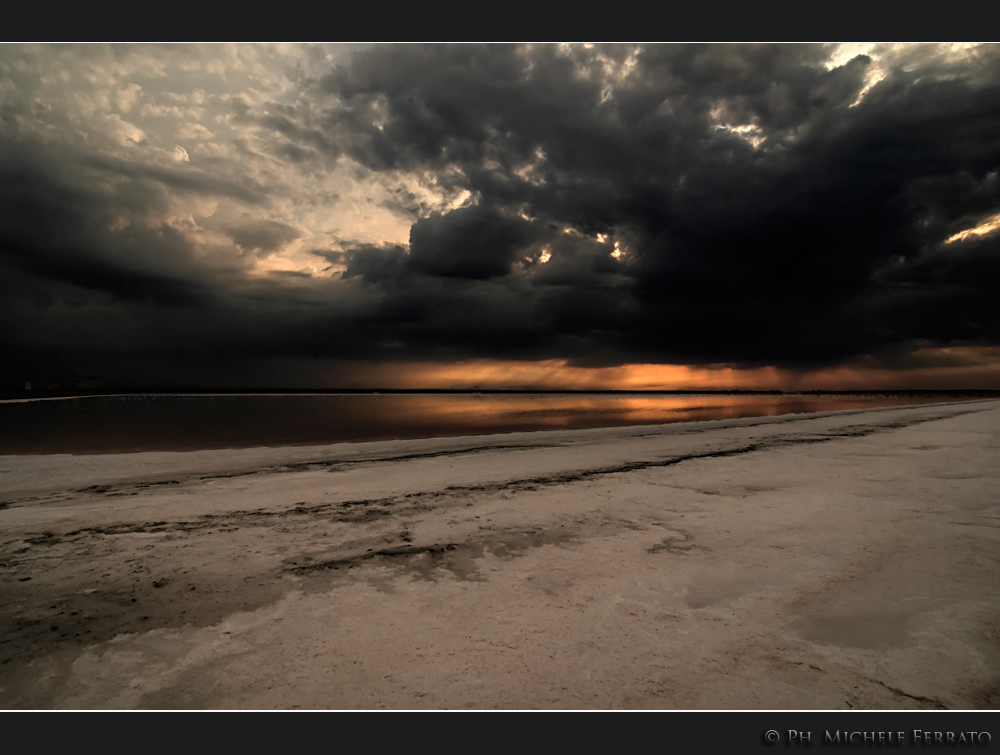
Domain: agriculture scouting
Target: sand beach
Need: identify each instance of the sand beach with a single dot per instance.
(827, 561)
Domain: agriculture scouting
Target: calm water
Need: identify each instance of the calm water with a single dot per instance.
(175, 423)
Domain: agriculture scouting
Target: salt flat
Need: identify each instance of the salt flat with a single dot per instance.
(841, 560)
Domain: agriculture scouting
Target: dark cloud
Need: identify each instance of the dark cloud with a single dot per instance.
(376, 264)
(472, 242)
(673, 203)
(762, 253)
(54, 228)
(262, 237)
(193, 181)
(333, 256)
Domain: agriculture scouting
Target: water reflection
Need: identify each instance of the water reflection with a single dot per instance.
(173, 423)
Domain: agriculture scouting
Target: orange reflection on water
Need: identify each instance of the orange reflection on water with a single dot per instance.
(165, 423)
(485, 413)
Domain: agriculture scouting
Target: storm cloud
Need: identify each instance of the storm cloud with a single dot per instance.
(795, 206)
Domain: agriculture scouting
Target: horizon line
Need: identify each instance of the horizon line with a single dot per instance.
(131, 391)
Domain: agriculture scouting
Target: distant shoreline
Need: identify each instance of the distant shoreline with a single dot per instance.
(40, 395)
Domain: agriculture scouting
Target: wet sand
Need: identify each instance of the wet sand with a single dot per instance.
(842, 560)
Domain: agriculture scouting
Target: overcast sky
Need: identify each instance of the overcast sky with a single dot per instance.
(655, 216)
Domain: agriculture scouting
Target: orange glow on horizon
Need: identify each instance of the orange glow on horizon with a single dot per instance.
(941, 368)
(556, 374)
